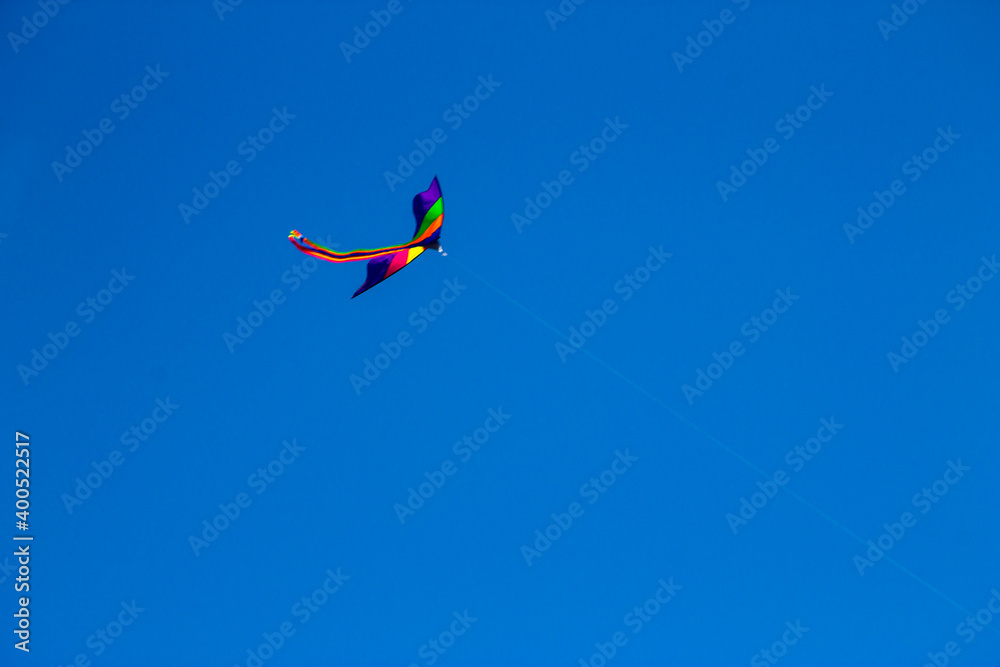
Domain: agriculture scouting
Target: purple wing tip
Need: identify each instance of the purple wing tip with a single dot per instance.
(424, 200)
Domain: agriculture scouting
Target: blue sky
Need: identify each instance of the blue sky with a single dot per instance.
(660, 338)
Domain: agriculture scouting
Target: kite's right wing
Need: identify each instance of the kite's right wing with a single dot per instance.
(428, 209)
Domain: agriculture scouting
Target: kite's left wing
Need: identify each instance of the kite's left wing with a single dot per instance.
(381, 268)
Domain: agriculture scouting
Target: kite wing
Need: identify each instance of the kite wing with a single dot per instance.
(382, 267)
(428, 209)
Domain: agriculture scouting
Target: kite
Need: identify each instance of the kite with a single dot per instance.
(428, 209)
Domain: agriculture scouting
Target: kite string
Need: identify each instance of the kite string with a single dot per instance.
(711, 437)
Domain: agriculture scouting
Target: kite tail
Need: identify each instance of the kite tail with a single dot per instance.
(320, 252)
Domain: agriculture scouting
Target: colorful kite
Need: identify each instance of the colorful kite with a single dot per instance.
(428, 209)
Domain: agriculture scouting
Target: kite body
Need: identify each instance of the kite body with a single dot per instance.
(428, 209)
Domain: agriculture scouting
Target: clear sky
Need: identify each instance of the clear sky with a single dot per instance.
(707, 376)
